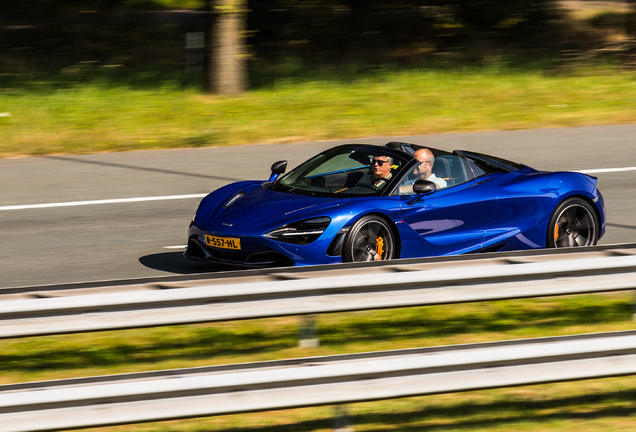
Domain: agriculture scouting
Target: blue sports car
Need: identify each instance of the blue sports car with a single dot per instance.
(366, 203)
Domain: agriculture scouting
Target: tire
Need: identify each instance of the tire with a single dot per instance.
(369, 239)
(573, 224)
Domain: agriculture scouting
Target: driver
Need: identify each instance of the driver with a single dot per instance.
(381, 170)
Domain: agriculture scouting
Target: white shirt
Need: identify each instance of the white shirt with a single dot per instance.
(406, 188)
(440, 182)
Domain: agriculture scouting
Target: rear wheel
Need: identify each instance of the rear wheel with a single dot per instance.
(573, 224)
(369, 239)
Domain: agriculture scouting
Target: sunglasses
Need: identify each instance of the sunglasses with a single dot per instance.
(379, 162)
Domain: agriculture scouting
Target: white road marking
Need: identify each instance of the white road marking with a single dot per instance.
(192, 196)
(108, 201)
(606, 170)
(175, 247)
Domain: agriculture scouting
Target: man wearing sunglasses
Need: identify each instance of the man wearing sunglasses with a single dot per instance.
(424, 171)
(381, 170)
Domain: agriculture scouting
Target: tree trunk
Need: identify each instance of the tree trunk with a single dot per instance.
(226, 64)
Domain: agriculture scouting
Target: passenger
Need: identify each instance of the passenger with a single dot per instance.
(424, 171)
(381, 170)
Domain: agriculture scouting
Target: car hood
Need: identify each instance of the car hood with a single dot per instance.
(262, 209)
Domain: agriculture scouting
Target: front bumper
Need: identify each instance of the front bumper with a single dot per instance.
(252, 257)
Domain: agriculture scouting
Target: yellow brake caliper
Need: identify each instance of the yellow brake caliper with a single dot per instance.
(556, 232)
(379, 247)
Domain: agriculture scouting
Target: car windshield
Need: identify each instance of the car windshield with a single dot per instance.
(345, 171)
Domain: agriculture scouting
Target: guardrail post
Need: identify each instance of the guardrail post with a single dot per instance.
(341, 421)
(308, 332)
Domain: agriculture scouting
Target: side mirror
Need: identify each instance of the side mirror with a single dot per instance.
(424, 186)
(277, 169)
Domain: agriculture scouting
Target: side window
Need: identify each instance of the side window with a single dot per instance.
(406, 185)
(447, 171)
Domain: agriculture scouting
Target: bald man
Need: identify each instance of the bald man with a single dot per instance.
(424, 171)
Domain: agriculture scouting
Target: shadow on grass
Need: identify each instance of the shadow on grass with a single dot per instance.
(508, 412)
(542, 414)
(502, 317)
(203, 343)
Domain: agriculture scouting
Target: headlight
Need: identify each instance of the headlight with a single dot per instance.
(192, 221)
(301, 232)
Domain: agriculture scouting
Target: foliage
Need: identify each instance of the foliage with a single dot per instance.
(54, 34)
(317, 31)
(48, 7)
(377, 30)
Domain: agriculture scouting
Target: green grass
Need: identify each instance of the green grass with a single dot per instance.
(594, 405)
(100, 114)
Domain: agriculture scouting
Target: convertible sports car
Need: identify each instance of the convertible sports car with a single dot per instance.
(333, 209)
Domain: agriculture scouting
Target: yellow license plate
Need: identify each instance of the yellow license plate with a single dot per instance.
(223, 243)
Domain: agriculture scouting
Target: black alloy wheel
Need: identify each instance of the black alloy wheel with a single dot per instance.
(369, 239)
(573, 224)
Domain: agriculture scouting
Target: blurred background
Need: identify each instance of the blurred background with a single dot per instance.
(140, 40)
(115, 75)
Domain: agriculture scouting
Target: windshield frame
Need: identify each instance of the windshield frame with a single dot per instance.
(302, 171)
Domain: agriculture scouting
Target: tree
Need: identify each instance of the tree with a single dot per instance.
(226, 49)
(631, 20)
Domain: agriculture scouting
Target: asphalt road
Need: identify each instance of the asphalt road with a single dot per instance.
(134, 239)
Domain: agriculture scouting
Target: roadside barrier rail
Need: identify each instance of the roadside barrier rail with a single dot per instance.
(272, 274)
(403, 285)
(249, 387)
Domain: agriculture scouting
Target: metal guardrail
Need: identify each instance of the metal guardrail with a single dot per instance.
(405, 285)
(187, 393)
(270, 274)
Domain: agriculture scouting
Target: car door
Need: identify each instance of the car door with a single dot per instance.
(449, 221)
(452, 220)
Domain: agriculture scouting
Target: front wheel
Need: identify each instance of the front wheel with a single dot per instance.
(369, 239)
(573, 224)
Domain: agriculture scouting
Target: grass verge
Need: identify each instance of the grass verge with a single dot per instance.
(99, 115)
